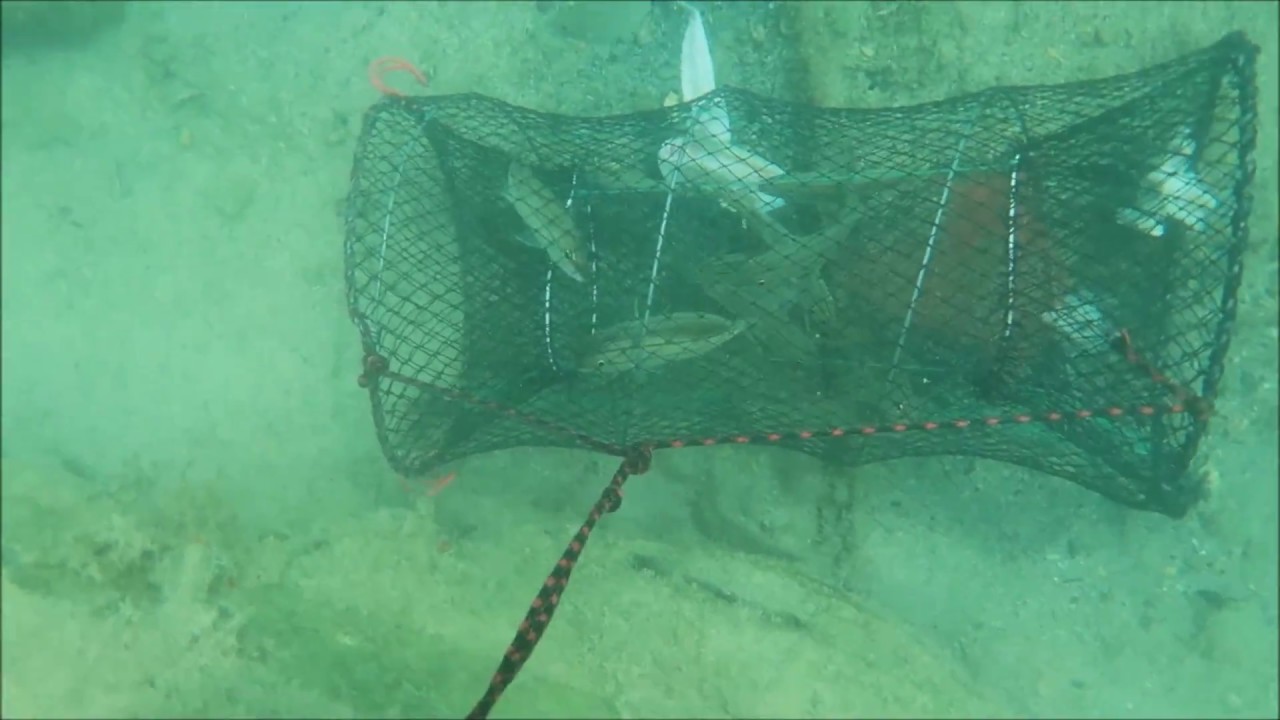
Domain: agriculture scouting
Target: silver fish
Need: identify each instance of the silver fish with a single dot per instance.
(718, 166)
(551, 227)
(706, 154)
(1173, 192)
(697, 73)
(665, 339)
(762, 289)
(698, 78)
(1082, 323)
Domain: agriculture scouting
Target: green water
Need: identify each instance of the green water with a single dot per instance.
(197, 519)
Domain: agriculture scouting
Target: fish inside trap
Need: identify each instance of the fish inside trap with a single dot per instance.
(864, 285)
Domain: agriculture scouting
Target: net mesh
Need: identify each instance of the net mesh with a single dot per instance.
(1039, 275)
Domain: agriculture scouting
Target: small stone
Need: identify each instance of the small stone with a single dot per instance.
(672, 98)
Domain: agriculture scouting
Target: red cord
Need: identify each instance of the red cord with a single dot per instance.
(384, 65)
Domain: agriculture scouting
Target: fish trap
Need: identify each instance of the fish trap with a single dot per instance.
(1045, 276)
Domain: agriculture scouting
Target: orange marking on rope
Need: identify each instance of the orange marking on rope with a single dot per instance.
(384, 65)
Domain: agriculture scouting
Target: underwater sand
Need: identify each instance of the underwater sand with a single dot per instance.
(197, 520)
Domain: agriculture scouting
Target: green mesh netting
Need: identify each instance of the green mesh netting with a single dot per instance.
(1043, 275)
(1040, 275)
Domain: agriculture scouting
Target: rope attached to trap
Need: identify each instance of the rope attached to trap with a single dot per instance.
(544, 604)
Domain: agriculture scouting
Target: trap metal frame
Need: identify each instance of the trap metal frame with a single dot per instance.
(1041, 275)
